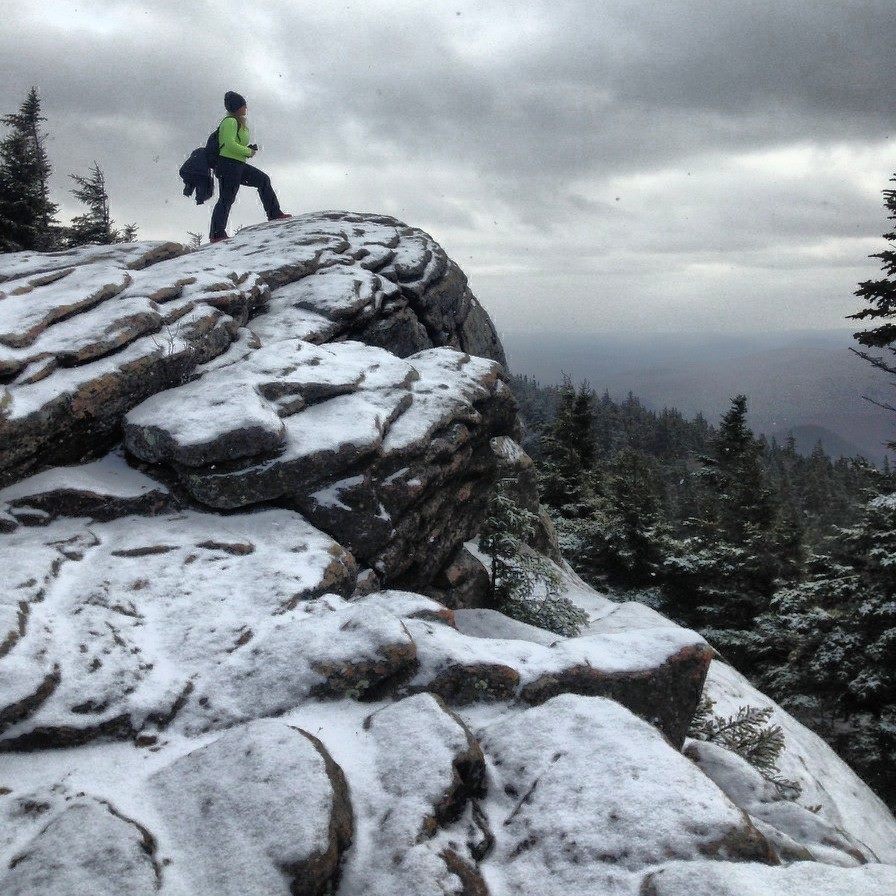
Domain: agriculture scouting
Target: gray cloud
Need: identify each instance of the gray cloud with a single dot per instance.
(610, 149)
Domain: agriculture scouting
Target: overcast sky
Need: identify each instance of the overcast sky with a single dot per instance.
(593, 166)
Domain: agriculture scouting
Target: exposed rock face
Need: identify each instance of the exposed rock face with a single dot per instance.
(85, 336)
(251, 609)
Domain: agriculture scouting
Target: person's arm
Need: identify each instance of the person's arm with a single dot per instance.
(227, 138)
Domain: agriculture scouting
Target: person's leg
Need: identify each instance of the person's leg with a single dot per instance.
(228, 172)
(254, 177)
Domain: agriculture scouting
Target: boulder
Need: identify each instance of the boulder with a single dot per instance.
(416, 806)
(656, 672)
(388, 455)
(830, 789)
(591, 796)
(666, 694)
(88, 847)
(262, 809)
(462, 583)
(793, 830)
(88, 334)
(147, 609)
(103, 490)
(432, 786)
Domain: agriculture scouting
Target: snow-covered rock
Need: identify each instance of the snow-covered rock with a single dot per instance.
(415, 800)
(88, 847)
(87, 334)
(245, 639)
(263, 809)
(829, 787)
(588, 796)
(801, 879)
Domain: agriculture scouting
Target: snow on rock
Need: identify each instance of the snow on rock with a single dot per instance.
(235, 411)
(414, 800)
(325, 649)
(222, 620)
(87, 848)
(294, 421)
(129, 615)
(103, 489)
(73, 412)
(801, 879)
(586, 796)
(657, 673)
(35, 268)
(87, 334)
(830, 788)
(262, 809)
(435, 785)
(485, 623)
(794, 830)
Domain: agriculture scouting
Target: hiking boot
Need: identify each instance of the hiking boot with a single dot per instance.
(280, 217)
(217, 239)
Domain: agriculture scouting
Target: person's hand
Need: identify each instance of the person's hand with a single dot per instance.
(251, 153)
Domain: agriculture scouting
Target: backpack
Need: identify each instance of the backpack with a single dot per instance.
(213, 147)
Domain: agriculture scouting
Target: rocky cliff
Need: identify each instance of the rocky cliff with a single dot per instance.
(245, 644)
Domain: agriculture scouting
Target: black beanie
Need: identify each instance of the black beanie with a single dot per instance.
(233, 101)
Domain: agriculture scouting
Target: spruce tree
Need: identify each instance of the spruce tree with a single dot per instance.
(723, 573)
(621, 541)
(95, 226)
(27, 216)
(525, 585)
(568, 450)
(880, 295)
(829, 644)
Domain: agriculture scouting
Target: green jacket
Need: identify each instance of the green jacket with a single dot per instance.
(233, 140)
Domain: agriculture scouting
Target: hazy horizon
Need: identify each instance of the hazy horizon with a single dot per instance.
(805, 381)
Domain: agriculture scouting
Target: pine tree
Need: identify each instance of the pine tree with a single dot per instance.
(830, 644)
(881, 298)
(525, 585)
(723, 573)
(27, 216)
(620, 542)
(95, 226)
(568, 450)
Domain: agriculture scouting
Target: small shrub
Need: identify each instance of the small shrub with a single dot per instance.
(554, 612)
(749, 734)
(525, 585)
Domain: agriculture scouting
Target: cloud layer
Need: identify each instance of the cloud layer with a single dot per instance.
(592, 165)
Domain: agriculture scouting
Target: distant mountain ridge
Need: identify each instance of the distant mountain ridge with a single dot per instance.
(805, 382)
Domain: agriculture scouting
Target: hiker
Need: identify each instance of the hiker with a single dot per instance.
(232, 168)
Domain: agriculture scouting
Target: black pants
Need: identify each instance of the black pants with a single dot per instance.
(231, 174)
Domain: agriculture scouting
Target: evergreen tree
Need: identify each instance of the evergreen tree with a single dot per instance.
(829, 644)
(27, 216)
(568, 450)
(735, 475)
(95, 226)
(619, 543)
(525, 585)
(880, 296)
(722, 575)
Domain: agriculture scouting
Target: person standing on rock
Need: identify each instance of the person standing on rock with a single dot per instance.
(233, 169)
